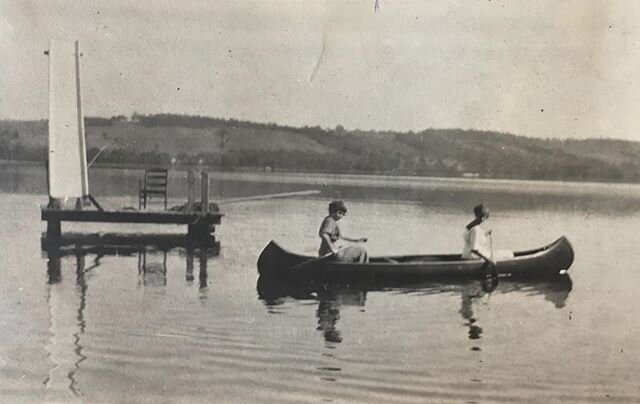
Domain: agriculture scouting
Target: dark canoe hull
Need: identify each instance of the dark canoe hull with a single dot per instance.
(275, 262)
(277, 291)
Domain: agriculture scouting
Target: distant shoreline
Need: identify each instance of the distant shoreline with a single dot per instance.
(275, 175)
(185, 142)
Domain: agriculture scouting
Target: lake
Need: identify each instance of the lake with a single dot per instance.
(178, 326)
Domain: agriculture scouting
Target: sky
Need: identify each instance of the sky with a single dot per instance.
(543, 68)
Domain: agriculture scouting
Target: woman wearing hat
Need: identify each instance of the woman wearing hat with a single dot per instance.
(330, 233)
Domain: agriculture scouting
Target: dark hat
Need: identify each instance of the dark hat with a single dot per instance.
(337, 206)
(480, 210)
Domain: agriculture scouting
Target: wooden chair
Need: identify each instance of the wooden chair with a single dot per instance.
(154, 185)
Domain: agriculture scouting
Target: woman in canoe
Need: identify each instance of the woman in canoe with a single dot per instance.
(330, 233)
(477, 241)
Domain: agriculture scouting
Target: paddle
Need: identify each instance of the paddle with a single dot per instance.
(490, 265)
(321, 260)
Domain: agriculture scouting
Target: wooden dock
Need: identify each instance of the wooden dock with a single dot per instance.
(67, 168)
(199, 224)
(200, 217)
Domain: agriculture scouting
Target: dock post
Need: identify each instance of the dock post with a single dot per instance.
(53, 265)
(199, 231)
(202, 276)
(54, 230)
(189, 273)
(199, 234)
(191, 190)
(204, 195)
(209, 228)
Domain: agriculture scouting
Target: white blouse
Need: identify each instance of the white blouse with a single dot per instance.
(475, 239)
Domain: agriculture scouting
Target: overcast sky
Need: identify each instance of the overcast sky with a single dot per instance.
(541, 68)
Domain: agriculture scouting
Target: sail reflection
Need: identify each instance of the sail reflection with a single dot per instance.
(67, 301)
(330, 297)
(67, 305)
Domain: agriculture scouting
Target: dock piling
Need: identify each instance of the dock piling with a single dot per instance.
(191, 190)
(54, 229)
(202, 230)
(204, 195)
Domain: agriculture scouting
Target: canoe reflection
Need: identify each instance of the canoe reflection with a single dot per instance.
(332, 296)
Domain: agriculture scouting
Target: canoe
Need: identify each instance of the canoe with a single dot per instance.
(276, 262)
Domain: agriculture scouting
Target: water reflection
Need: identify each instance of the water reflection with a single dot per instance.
(328, 313)
(330, 297)
(67, 325)
(471, 292)
(67, 301)
(152, 273)
(81, 287)
(150, 249)
(449, 193)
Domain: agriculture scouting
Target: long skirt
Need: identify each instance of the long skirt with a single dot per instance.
(352, 253)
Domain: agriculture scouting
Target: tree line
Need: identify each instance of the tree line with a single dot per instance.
(431, 152)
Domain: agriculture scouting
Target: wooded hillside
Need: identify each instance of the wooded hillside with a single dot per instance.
(229, 144)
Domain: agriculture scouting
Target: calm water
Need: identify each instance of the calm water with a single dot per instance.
(149, 326)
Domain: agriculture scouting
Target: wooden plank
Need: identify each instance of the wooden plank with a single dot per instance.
(270, 196)
(159, 217)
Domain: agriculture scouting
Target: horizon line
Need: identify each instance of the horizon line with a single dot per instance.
(129, 118)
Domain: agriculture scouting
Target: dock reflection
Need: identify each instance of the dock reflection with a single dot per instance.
(151, 250)
(67, 301)
(330, 297)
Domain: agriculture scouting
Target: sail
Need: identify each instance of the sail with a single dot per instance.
(67, 149)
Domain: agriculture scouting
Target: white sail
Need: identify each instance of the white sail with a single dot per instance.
(67, 149)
